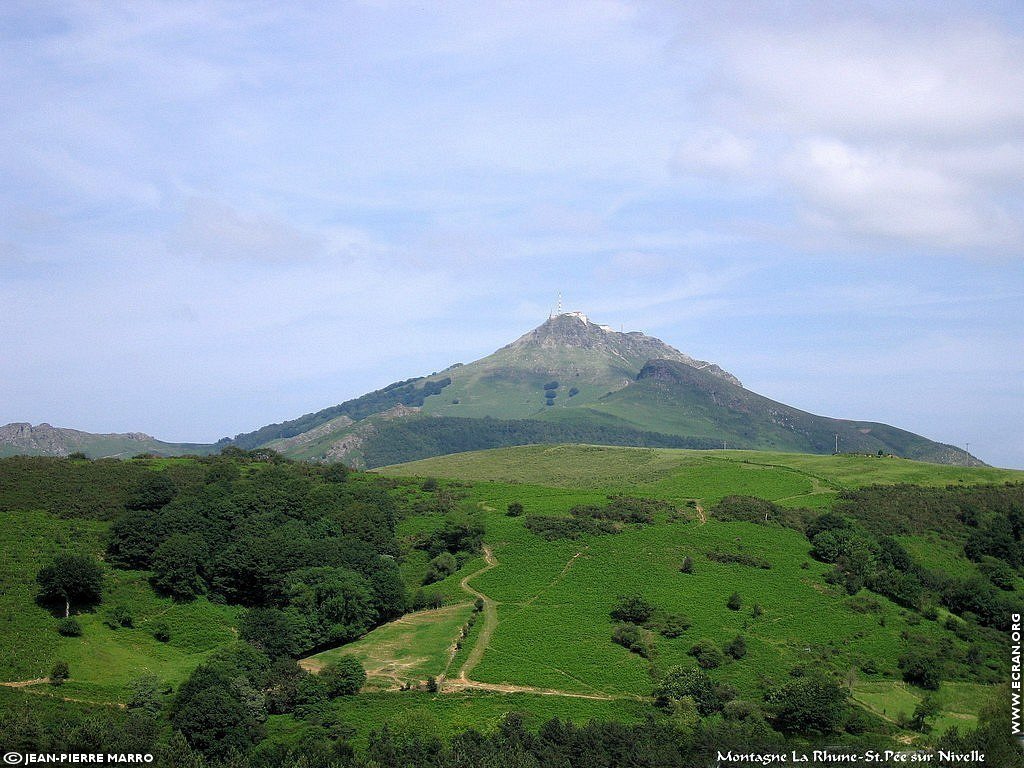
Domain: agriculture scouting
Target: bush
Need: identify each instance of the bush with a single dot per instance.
(735, 601)
(707, 654)
(59, 673)
(161, 632)
(752, 561)
(121, 616)
(757, 611)
(810, 705)
(687, 566)
(343, 677)
(922, 668)
(441, 567)
(633, 609)
(631, 637)
(432, 684)
(737, 647)
(69, 627)
(515, 509)
(671, 624)
(693, 683)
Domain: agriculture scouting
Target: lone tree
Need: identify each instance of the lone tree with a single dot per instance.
(71, 579)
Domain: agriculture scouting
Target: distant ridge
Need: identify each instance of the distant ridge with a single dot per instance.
(21, 438)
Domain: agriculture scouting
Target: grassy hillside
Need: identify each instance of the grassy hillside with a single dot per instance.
(103, 660)
(540, 638)
(793, 479)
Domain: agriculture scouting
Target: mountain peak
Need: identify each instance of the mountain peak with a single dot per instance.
(575, 331)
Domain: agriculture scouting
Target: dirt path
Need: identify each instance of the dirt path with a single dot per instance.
(49, 692)
(701, 513)
(461, 684)
(25, 683)
(489, 615)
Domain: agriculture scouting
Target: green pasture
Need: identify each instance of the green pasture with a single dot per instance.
(791, 478)
(447, 714)
(405, 651)
(102, 660)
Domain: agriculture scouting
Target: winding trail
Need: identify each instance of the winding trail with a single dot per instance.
(490, 616)
(490, 623)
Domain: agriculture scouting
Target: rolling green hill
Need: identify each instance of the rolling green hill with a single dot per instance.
(523, 617)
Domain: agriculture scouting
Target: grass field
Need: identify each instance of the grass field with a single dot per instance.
(409, 650)
(673, 473)
(444, 715)
(102, 660)
(553, 597)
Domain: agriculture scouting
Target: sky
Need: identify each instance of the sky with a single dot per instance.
(216, 215)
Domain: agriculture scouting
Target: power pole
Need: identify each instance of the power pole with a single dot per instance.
(837, 443)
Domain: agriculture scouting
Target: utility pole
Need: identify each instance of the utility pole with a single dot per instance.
(837, 443)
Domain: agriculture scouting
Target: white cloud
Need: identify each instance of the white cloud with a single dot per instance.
(890, 192)
(710, 151)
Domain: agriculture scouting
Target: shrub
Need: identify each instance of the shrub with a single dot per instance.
(69, 627)
(432, 684)
(161, 632)
(757, 611)
(752, 561)
(59, 673)
(631, 637)
(735, 601)
(687, 566)
(515, 509)
(122, 616)
(922, 668)
(693, 683)
(440, 567)
(707, 654)
(671, 624)
(633, 609)
(478, 604)
(343, 677)
(810, 705)
(737, 647)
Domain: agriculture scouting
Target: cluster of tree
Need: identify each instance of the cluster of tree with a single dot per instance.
(97, 490)
(808, 705)
(950, 511)
(402, 440)
(638, 621)
(410, 392)
(884, 566)
(222, 707)
(311, 547)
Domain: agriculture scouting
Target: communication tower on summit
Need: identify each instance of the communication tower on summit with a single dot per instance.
(558, 307)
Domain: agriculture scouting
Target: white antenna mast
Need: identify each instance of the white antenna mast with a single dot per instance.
(559, 311)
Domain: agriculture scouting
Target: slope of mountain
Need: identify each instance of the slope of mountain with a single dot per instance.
(46, 440)
(572, 380)
(568, 380)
